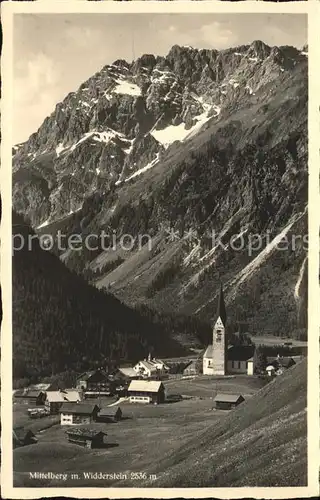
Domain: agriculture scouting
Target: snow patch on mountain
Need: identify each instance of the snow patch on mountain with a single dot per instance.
(144, 169)
(170, 134)
(299, 281)
(125, 87)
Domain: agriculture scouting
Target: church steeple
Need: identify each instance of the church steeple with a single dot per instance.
(221, 309)
(219, 338)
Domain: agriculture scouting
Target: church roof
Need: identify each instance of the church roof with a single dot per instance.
(235, 352)
(221, 308)
(240, 352)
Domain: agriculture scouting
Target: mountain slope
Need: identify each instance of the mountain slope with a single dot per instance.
(204, 151)
(261, 443)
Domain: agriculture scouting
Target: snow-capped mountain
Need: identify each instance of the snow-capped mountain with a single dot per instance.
(195, 142)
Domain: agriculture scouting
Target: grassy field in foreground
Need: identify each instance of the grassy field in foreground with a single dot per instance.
(261, 443)
(146, 435)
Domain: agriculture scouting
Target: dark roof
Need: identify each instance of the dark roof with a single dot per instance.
(228, 398)
(22, 393)
(22, 433)
(86, 433)
(240, 352)
(88, 375)
(78, 408)
(110, 412)
(221, 308)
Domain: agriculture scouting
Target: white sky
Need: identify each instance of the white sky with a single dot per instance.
(55, 53)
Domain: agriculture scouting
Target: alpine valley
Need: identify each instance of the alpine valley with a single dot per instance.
(202, 151)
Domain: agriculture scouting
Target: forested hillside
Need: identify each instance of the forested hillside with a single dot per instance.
(61, 323)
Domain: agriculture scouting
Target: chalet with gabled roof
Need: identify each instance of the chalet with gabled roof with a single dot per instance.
(146, 391)
(78, 413)
(227, 401)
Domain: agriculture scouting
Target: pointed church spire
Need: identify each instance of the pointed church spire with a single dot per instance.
(221, 309)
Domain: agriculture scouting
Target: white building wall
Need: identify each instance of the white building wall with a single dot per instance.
(140, 368)
(66, 419)
(140, 399)
(237, 367)
(207, 366)
(250, 368)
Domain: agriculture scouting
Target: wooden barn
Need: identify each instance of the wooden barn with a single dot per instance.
(32, 397)
(107, 415)
(78, 413)
(146, 391)
(227, 401)
(89, 438)
(22, 437)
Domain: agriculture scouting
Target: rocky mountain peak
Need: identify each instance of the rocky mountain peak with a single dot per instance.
(259, 49)
(121, 120)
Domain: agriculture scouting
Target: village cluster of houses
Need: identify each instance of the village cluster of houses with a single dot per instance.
(73, 405)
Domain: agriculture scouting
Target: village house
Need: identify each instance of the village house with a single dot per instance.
(151, 367)
(146, 391)
(78, 413)
(227, 401)
(22, 437)
(93, 383)
(89, 438)
(276, 366)
(55, 399)
(145, 369)
(32, 397)
(220, 358)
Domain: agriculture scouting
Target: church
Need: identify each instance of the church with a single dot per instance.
(220, 358)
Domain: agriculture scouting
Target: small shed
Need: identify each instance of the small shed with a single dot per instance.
(78, 413)
(146, 391)
(107, 415)
(88, 438)
(227, 401)
(22, 437)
